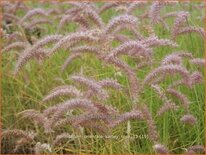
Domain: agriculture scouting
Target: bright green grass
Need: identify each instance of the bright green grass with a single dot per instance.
(18, 95)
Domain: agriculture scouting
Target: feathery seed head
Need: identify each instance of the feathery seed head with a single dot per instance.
(160, 149)
(61, 91)
(196, 77)
(90, 83)
(167, 69)
(198, 61)
(120, 20)
(188, 119)
(37, 11)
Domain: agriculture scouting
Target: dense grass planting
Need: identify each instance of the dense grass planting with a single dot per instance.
(103, 78)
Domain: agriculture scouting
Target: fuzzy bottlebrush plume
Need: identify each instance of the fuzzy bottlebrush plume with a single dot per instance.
(179, 22)
(143, 63)
(21, 143)
(66, 121)
(25, 57)
(68, 18)
(150, 31)
(184, 54)
(75, 103)
(34, 12)
(56, 121)
(91, 84)
(166, 107)
(86, 11)
(120, 20)
(160, 149)
(154, 11)
(16, 46)
(91, 118)
(176, 58)
(121, 38)
(72, 39)
(104, 114)
(13, 7)
(152, 129)
(77, 120)
(167, 69)
(77, 4)
(34, 51)
(37, 117)
(121, 9)
(155, 41)
(134, 5)
(196, 77)
(110, 83)
(93, 16)
(105, 109)
(191, 29)
(160, 92)
(63, 21)
(49, 111)
(183, 99)
(71, 12)
(62, 91)
(7, 7)
(135, 115)
(18, 133)
(61, 138)
(46, 40)
(60, 109)
(36, 22)
(170, 14)
(107, 6)
(188, 119)
(92, 6)
(23, 140)
(85, 49)
(196, 149)
(173, 59)
(8, 16)
(91, 121)
(42, 148)
(34, 115)
(125, 48)
(119, 42)
(15, 37)
(84, 5)
(198, 61)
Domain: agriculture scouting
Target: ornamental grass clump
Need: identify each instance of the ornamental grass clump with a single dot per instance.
(104, 76)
